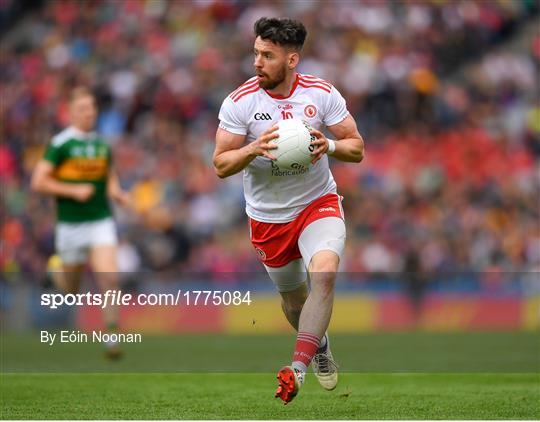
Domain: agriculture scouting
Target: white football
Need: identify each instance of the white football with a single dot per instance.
(294, 145)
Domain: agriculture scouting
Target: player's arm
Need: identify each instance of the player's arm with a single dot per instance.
(43, 181)
(349, 143)
(230, 156)
(115, 191)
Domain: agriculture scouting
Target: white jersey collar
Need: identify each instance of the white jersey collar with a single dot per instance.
(81, 134)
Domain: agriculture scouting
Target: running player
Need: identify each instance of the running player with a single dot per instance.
(296, 218)
(76, 169)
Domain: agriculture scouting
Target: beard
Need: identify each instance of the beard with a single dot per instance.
(271, 83)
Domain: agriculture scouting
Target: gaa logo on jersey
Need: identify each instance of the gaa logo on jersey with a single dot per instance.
(262, 116)
(310, 111)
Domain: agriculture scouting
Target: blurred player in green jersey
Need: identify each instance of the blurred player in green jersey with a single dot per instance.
(77, 170)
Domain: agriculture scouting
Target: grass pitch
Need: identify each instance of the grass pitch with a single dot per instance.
(233, 379)
(250, 396)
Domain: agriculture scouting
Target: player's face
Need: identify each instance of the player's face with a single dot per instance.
(84, 112)
(271, 63)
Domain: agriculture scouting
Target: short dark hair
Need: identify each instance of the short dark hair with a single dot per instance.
(282, 31)
(80, 91)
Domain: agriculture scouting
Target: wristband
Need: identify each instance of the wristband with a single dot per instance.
(331, 146)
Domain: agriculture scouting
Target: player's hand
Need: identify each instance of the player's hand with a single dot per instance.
(124, 199)
(321, 145)
(83, 192)
(262, 145)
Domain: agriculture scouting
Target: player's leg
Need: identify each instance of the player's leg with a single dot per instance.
(68, 278)
(277, 246)
(292, 301)
(103, 261)
(292, 304)
(321, 244)
(323, 363)
(291, 283)
(317, 310)
(64, 273)
(105, 268)
(66, 266)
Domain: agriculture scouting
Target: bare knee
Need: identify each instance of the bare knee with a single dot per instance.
(323, 279)
(323, 270)
(324, 262)
(103, 259)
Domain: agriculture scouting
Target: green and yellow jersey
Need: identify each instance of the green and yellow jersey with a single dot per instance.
(81, 157)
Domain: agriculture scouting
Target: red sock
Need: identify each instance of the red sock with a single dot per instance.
(306, 347)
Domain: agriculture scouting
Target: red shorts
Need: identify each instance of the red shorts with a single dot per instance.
(277, 243)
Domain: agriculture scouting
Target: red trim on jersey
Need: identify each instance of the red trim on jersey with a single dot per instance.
(246, 89)
(309, 82)
(244, 85)
(309, 78)
(249, 91)
(313, 85)
(281, 97)
(239, 92)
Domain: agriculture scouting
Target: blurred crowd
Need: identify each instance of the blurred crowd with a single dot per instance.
(445, 93)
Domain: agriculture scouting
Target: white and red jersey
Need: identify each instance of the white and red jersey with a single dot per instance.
(274, 195)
